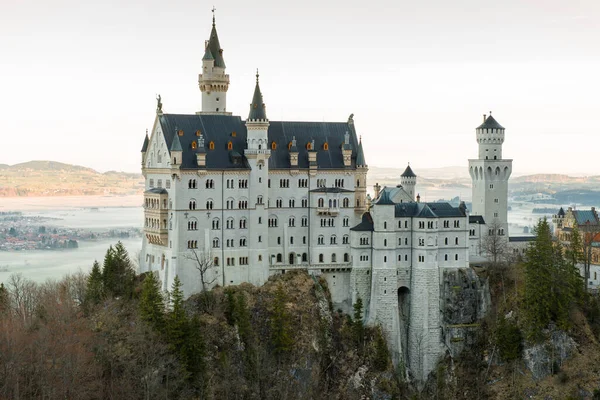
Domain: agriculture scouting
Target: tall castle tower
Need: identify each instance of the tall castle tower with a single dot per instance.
(490, 173)
(213, 80)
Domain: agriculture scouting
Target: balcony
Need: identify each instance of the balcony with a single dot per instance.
(328, 211)
(323, 266)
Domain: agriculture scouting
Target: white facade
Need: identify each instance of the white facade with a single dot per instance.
(257, 197)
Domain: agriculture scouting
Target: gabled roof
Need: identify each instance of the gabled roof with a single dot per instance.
(145, 145)
(218, 128)
(585, 217)
(366, 224)
(384, 198)
(408, 173)
(257, 107)
(490, 123)
(427, 210)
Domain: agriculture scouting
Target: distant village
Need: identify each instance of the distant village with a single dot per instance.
(21, 233)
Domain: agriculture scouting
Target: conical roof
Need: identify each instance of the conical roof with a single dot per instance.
(360, 155)
(490, 123)
(257, 108)
(408, 173)
(145, 145)
(208, 54)
(561, 212)
(176, 144)
(215, 47)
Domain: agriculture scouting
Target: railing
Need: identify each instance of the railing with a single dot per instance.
(249, 151)
(328, 210)
(305, 265)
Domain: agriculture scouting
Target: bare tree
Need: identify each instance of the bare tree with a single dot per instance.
(494, 245)
(23, 295)
(203, 263)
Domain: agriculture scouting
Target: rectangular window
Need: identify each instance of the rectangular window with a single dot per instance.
(159, 184)
(151, 183)
(168, 184)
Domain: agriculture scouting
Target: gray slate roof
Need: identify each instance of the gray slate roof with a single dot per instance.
(157, 191)
(175, 143)
(521, 238)
(331, 190)
(366, 224)
(145, 145)
(360, 159)
(408, 172)
(585, 216)
(219, 128)
(476, 219)
(257, 107)
(490, 123)
(207, 54)
(427, 210)
(215, 47)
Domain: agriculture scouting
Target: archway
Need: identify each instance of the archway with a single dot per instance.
(292, 258)
(404, 314)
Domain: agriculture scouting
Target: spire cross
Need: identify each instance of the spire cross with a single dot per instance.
(256, 75)
(213, 11)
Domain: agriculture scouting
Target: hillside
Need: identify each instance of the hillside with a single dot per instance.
(51, 178)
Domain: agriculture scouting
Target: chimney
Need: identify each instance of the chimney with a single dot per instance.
(377, 189)
(484, 117)
(418, 198)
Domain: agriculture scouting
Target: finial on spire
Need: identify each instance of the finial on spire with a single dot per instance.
(490, 113)
(257, 75)
(213, 11)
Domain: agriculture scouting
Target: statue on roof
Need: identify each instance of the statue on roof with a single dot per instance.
(351, 118)
(158, 104)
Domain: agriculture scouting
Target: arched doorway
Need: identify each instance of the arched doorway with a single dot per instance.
(292, 258)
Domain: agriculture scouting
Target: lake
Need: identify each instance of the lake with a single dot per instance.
(100, 214)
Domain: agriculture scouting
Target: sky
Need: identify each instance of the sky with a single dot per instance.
(78, 79)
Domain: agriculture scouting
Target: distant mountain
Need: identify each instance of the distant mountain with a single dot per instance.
(51, 178)
(552, 178)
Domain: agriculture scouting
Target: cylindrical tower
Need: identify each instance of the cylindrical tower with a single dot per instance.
(408, 180)
(213, 81)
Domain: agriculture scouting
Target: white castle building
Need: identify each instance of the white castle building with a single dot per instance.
(251, 198)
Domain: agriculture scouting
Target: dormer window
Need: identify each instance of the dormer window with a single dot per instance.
(308, 146)
(198, 133)
(194, 144)
(229, 145)
(234, 134)
(180, 133)
(289, 145)
(326, 146)
(273, 146)
(211, 145)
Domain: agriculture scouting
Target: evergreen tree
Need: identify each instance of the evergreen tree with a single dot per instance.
(538, 281)
(118, 274)
(382, 354)
(281, 325)
(177, 323)
(4, 300)
(94, 292)
(230, 306)
(194, 349)
(152, 304)
(358, 326)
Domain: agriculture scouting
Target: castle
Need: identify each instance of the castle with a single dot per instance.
(230, 201)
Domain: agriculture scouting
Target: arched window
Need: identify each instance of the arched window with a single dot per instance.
(192, 204)
(209, 204)
(216, 262)
(273, 145)
(279, 258)
(309, 146)
(304, 257)
(229, 145)
(326, 146)
(346, 257)
(333, 258)
(211, 145)
(215, 223)
(194, 144)
(215, 243)
(321, 202)
(321, 258)
(346, 202)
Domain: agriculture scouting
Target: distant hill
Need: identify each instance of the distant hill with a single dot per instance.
(52, 178)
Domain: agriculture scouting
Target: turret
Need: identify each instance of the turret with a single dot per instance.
(176, 151)
(213, 81)
(257, 123)
(490, 136)
(408, 180)
(145, 148)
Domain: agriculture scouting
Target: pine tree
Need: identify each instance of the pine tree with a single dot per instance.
(94, 292)
(194, 349)
(281, 326)
(177, 322)
(358, 326)
(538, 281)
(4, 300)
(382, 354)
(118, 273)
(152, 304)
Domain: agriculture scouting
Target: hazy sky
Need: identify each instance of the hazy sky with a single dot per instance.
(78, 79)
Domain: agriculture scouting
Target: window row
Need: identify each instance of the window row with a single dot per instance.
(155, 204)
(155, 223)
(327, 222)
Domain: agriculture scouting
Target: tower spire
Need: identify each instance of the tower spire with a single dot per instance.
(257, 107)
(213, 11)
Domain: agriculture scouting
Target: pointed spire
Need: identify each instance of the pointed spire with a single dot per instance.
(490, 123)
(214, 45)
(207, 54)
(257, 107)
(146, 141)
(176, 144)
(360, 155)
